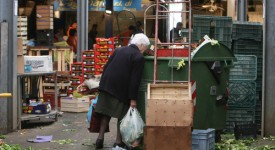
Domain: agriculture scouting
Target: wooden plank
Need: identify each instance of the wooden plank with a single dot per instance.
(171, 96)
(59, 60)
(161, 112)
(169, 91)
(69, 109)
(167, 138)
(63, 64)
(170, 85)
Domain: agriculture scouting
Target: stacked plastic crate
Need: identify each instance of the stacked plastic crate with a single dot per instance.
(22, 27)
(88, 64)
(242, 91)
(44, 25)
(216, 27)
(103, 50)
(248, 40)
(92, 63)
(77, 77)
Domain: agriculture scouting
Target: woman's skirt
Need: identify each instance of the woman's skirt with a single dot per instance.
(110, 106)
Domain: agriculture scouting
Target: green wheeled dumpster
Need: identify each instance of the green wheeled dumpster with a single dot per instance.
(210, 66)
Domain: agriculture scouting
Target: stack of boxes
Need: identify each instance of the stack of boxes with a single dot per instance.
(44, 25)
(92, 63)
(103, 50)
(20, 57)
(22, 27)
(242, 91)
(216, 27)
(248, 40)
(77, 77)
(88, 64)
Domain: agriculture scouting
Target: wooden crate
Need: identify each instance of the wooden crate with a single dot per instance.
(167, 138)
(61, 62)
(36, 50)
(177, 91)
(169, 112)
(169, 105)
(71, 104)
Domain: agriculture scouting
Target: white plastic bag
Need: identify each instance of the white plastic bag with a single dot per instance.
(93, 82)
(131, 127)
(118, 148)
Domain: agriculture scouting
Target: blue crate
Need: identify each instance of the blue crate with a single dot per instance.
(203, 139)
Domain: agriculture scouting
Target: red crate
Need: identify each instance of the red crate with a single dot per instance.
(101, 60)
(76, 66)
(88, 53)
(76, 73)
(106, 41)
(88, 75)
(176, 52)
(100, 63)
(99, 66)
(99, 70)
(88, 61)
(88, 68)
(97, 73)
(104, 48)
(97, 53)
(49, 97)
(76, 80)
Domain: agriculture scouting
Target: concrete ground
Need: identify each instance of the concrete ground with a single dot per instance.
(70, 127)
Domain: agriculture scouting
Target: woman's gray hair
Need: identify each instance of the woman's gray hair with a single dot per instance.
(140, 39)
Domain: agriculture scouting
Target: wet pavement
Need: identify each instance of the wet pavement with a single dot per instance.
(69, 133)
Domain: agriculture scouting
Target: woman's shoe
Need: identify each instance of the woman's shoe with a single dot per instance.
(122, 145)
(99, 144)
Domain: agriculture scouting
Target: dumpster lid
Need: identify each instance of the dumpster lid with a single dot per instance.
(211, 50)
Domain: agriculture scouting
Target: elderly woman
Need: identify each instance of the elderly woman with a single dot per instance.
(119, 84)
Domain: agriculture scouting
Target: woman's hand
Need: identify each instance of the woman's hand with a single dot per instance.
(133, 103)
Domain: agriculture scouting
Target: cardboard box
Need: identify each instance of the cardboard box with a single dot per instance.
(20, 64)
(44, 108)
(39, 63)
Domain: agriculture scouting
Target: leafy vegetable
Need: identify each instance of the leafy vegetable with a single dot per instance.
(180, 64)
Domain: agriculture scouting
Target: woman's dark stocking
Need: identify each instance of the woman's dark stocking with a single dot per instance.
(103, 126)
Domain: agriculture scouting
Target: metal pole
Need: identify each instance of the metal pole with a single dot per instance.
(268, 70)
(8, 52)
(242, 10)
(109, 19)
(82, 27)
(189, 47)
(156, 43)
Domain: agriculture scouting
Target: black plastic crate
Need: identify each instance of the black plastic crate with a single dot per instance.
(245, 130)
(44, 37)
(238, 116)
